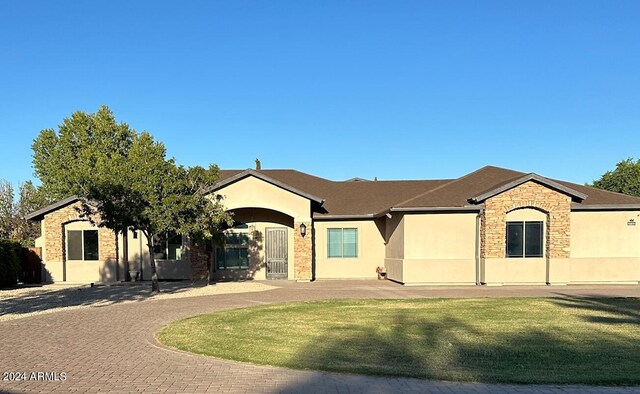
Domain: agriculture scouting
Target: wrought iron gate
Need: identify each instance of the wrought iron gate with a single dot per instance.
(276, 253)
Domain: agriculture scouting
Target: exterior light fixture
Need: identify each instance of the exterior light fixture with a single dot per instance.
(303, 230)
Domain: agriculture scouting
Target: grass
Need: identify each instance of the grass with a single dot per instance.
(592, 341)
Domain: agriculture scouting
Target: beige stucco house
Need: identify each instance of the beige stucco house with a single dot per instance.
(493, 226)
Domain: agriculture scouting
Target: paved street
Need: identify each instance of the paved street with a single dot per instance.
(112, 349)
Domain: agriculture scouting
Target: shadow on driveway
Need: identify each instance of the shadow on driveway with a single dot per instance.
(42, 299)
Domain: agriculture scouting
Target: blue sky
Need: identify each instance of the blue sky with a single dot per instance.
(387, 89)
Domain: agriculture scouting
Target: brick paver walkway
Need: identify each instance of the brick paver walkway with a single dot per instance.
(112, 348)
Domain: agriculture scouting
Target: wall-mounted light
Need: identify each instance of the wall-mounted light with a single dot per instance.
(303, 230)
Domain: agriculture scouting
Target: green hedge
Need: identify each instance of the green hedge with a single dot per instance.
(9, 262)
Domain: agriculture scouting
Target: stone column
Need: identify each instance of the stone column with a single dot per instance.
(199, 258)
(303, 251)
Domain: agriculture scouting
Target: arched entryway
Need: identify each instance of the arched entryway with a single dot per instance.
(260, 245)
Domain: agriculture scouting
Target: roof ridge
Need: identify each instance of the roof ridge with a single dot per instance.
(445, 185)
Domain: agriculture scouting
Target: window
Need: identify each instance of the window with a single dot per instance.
(82, 245)
(342, 242)
(524, 239)
(167, 246)
(234, 254)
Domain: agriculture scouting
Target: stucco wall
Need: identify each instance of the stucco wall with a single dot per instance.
(439, 248)
(251, 192)
(371, 251)
(604, 248)
(394, 228)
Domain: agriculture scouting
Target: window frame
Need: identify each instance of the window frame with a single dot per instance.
(243, 234)
(523, 224)
(82, 245)
(167, 236)
(342, 255)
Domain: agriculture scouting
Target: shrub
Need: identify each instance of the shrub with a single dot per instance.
(9, 262)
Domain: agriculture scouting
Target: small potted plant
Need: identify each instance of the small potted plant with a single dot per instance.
(382, 273)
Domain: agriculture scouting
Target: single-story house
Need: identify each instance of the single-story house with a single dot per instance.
(493, 226)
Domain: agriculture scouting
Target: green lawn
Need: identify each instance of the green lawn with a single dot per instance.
(518, 340)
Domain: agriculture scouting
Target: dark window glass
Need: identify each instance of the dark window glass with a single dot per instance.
(74, 245)
(233, 258)
(237, 239)
(160, 247)
(235, 253)
(533, 239)
(244, 258)
(175, 247)
(515, 239)
(91, 244)
(220, 258)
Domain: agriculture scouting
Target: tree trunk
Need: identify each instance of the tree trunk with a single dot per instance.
(155, 286)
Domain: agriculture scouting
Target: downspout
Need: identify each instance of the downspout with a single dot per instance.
(478, 245)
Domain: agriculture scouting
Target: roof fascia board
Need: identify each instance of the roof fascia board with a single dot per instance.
(474, 208)
(605, 207)
(343, 217)
(527, 178)
(52, 207)
(267, 179)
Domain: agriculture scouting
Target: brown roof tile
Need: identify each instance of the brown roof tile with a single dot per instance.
(373, 197)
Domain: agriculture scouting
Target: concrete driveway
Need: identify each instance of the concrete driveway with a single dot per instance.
(111, 348)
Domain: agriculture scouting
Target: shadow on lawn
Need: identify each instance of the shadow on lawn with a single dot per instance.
(621, 310)
(448, 348)
(100, 295)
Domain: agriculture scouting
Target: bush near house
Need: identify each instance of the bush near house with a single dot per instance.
(9, 262)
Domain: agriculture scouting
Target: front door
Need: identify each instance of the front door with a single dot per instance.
(276, 253)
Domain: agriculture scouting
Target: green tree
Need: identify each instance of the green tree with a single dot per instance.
(625, 178)
(30, 199)
(6, 208)
(13, 224)
(125, 177)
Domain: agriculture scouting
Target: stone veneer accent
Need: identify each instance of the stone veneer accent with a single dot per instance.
(55, 235)
(303, 251)
(556, 205)
(200, 261)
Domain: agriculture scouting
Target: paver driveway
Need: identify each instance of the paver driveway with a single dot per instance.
(112, 348)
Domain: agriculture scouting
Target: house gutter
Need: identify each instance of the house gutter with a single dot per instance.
(343, 217)
(605, 207)
(466, 208)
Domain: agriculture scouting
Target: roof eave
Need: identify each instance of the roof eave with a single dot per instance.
(529, 177)
(466, 208)
(344, 217)
(36, 215)
(605, 207)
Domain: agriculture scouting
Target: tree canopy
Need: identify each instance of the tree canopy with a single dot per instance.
(13, 224)
(625, 178)
(125, 177)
